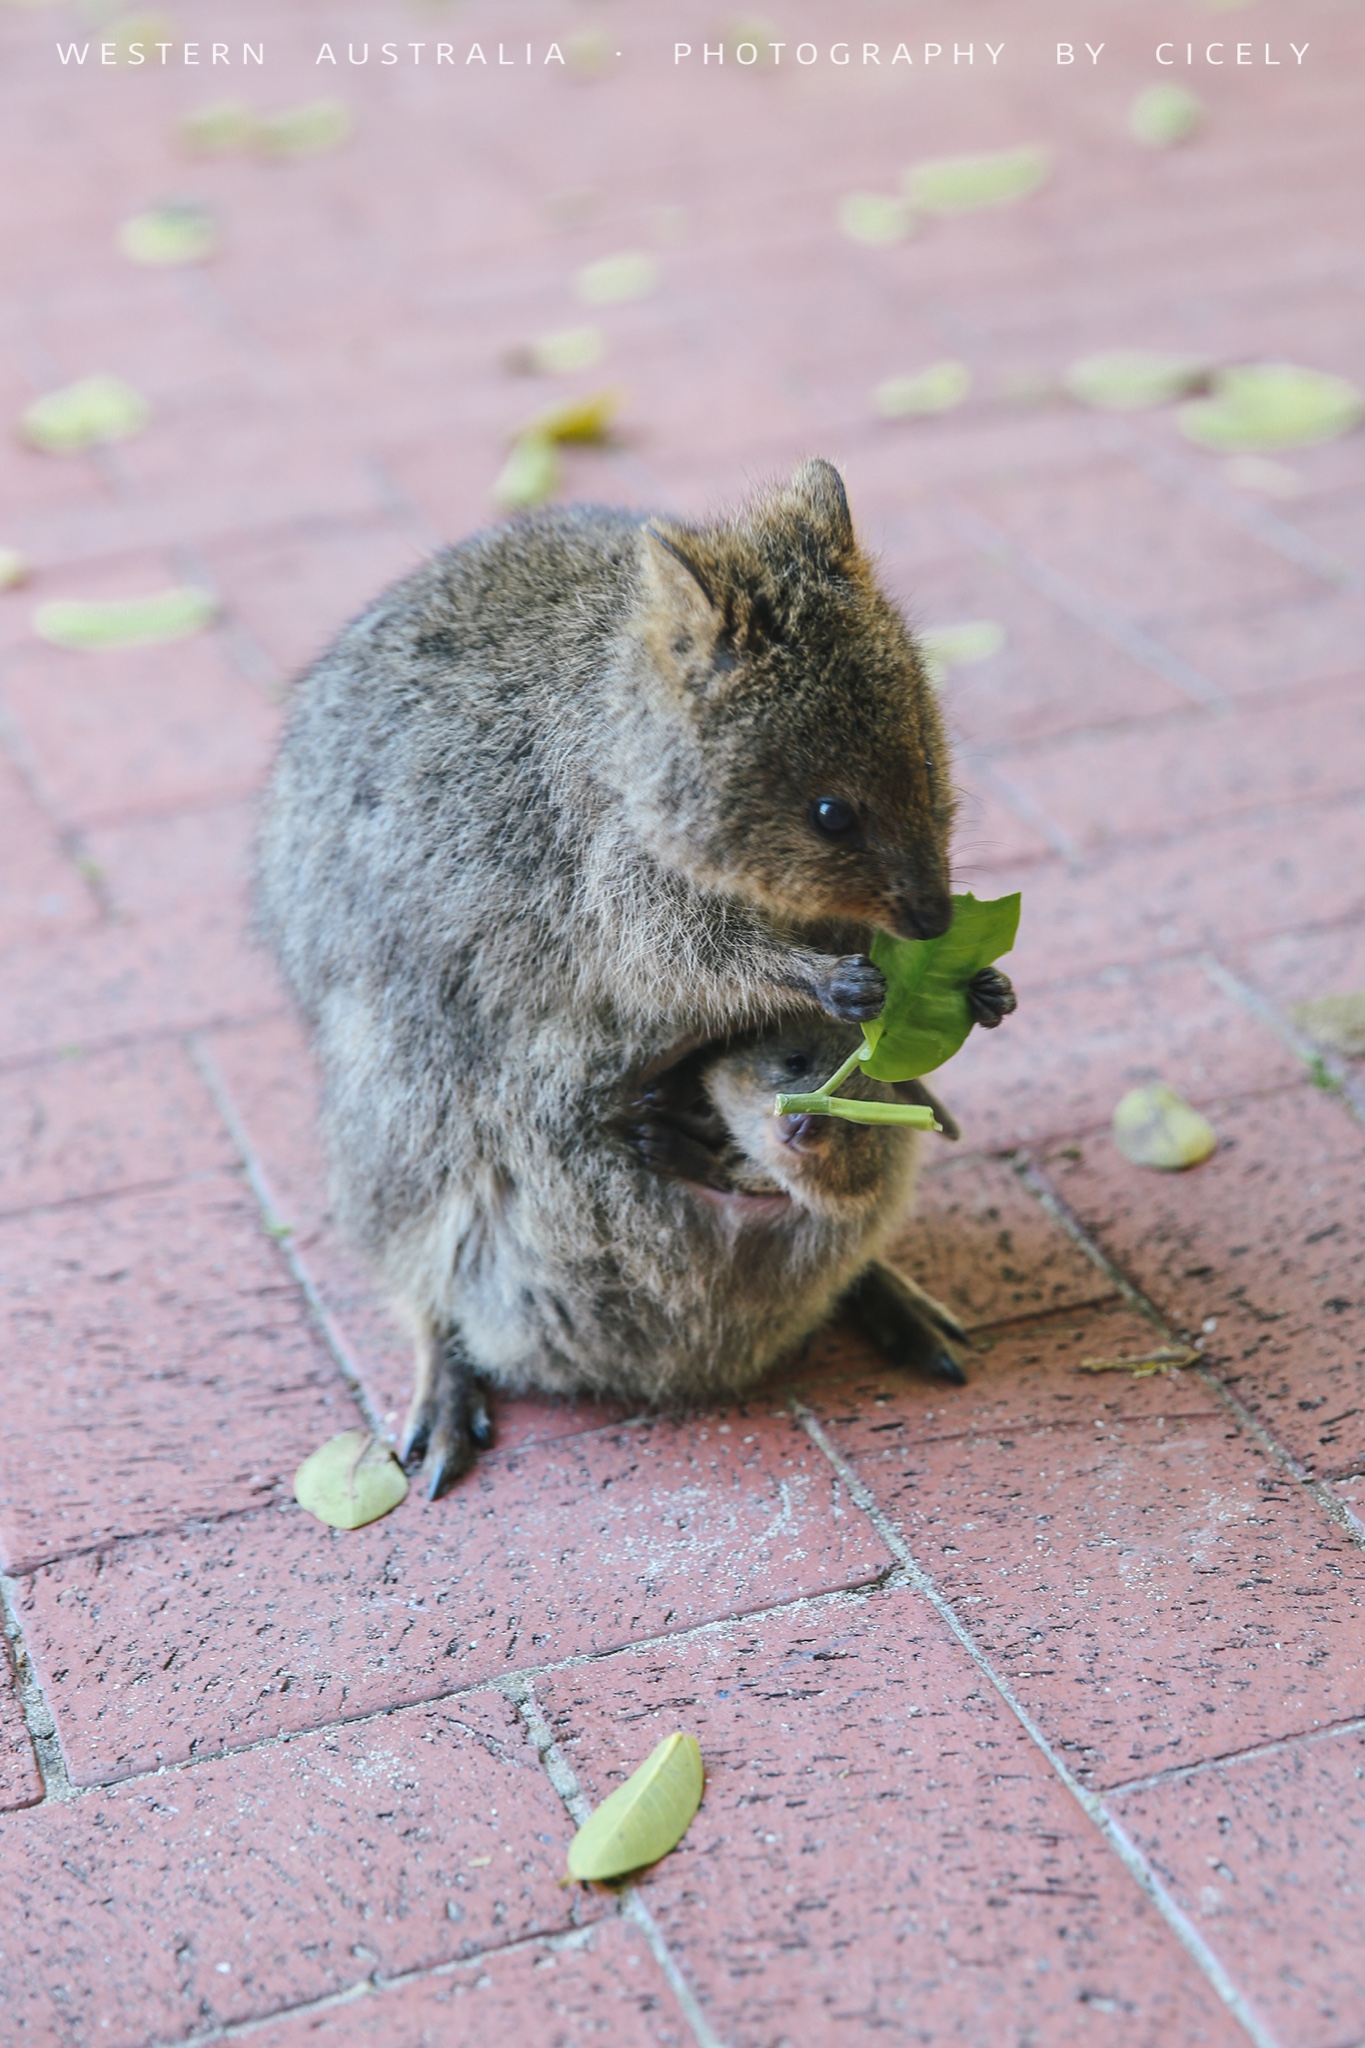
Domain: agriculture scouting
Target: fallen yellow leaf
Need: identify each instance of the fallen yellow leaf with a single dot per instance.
(350, 1480)
(1153, 1126)
(644, 1818)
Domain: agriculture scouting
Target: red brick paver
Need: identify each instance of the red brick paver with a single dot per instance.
(1032, 1709)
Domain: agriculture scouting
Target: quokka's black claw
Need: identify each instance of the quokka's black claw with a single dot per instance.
(947, 1368)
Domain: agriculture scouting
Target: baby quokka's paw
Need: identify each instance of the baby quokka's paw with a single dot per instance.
(990, 996)
(853, 990)
(448, 1422)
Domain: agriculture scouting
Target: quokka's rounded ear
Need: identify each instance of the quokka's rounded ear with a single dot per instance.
(819, 484)
(678, 578)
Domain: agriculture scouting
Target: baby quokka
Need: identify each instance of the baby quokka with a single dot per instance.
(581, 797)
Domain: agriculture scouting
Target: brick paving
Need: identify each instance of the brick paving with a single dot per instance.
(1032, 1712)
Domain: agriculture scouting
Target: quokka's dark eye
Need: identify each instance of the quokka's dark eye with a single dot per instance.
(797, 1063)
(834, 819)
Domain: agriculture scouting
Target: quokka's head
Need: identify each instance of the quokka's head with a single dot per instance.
(784, 744)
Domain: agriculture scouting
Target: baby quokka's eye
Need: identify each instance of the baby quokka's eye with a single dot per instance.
(833, 819)
(797, 1063)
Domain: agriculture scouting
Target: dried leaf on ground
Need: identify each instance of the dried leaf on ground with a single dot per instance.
(530, 474)
(957, 184)
(614, 278)
(304, 131)
(178, 232)
(1163, 115)
(352, 1479)
(1142, 1364)
(644, 1818)
(1272, 405)
(935, 389)
(949, 647)
(1121, 379)
(13, 569)
(99, 408)
(874, 217)
(226, 125)
(1153, 1126)
(125, 621)
(578, 419)
(1336, 1023)
(561, 353)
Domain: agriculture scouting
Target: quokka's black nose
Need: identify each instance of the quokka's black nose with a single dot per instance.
(925, 917)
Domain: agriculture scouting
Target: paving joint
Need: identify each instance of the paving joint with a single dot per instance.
(1090, 1803)
(39, 1719)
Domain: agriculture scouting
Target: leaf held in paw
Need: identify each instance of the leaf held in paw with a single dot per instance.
(614, 278)
(926, 1018)
(179, 232)
(644, 1818)
(1153, 1126)
(873, 217)
(937, 389)
(956, 184)
(530, 474)
(125, 621)
(1336, 1023)
(1122, 379)
(304, 131)
(93, 409)
(1272, 405)
(1163, 115)
(949, 647)
(350, 1480)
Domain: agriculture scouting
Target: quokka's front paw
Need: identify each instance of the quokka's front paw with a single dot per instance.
(990, 996)
(854, 990)
(448, 1423)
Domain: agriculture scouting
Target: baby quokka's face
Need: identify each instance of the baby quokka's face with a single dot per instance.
(820, 1162)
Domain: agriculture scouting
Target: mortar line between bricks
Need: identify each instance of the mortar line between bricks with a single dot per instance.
(378, 1982)
(260, 1187)
(124, 1041)
(1347, 1085)
(1177, 1773)
(987, 769)
(38, 1716)
(1251, 1425)
(561, 1775)
(993, 542)
(1091, 1803)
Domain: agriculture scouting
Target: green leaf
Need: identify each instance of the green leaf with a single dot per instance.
(948, 647)
(1335, 1022)
(937, 389)
(614, 278)
(916, 1114)
(179, 232)
(530, 474)
(956, 184)
(227, 124)
(1122, 379)
(304, 131)
(13, 568)
(125, 621)
(1272, 405)
(93, 409)
(872, 217)
(926, 1018)
(644, 1818)
(1153, 1126)
(1163, 115)
(350, 1480)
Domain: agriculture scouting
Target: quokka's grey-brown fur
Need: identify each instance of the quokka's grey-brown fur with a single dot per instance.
(542, 820)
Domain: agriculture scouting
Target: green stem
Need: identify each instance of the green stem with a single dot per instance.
(918, 1115)
(855, 1059)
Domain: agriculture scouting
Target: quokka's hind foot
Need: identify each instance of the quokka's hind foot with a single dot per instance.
(908, 1326)
(448, 1422)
